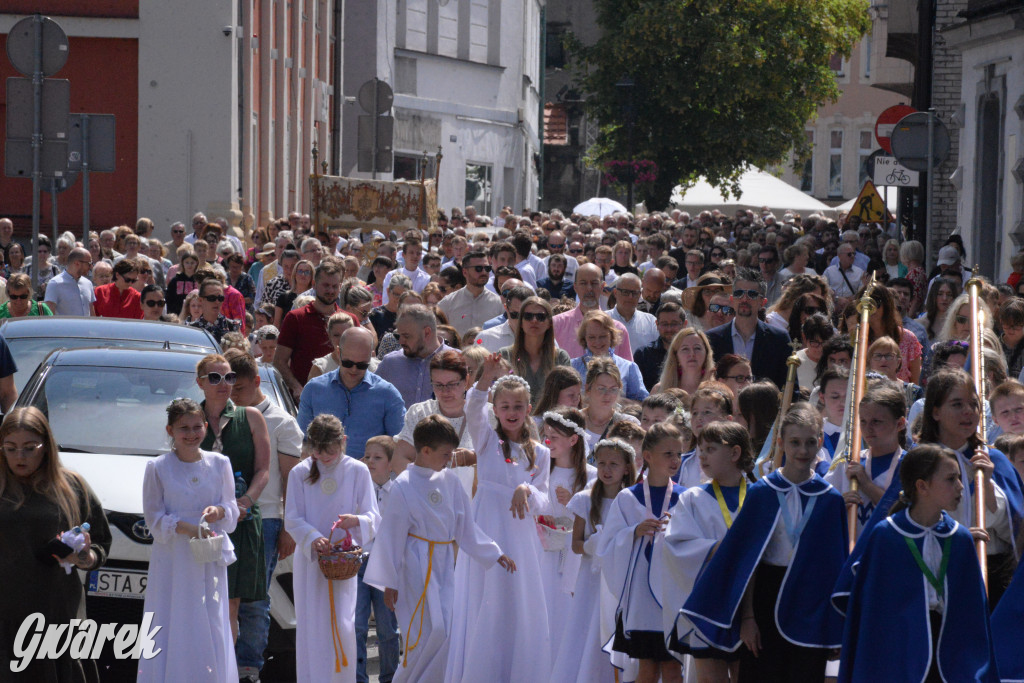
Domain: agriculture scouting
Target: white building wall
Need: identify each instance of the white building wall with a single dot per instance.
(992, 52)
(188, 122)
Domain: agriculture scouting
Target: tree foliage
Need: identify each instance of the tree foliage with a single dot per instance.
(718, 84)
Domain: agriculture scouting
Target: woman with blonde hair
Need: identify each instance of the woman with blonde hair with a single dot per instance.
(689, 362)
(533, 354)
(598, 336)
(957, 325)
(21, 304)
(604, 384)
(301, 281)
(912, 256)
(40, 499)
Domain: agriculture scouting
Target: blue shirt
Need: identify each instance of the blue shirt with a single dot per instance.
(632, 381)
(495, 321)
(373, 408)
(411, 376)
(741, 346)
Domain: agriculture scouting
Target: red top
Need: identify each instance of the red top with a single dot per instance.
(1013, 279)
(234, 306)
(112, 303)
(304, 331)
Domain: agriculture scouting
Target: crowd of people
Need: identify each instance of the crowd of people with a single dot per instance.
(593, 404)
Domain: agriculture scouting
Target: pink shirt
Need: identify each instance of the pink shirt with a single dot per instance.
(234, 306)
(566, 324)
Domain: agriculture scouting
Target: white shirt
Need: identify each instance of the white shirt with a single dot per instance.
(465, 311)
(70, 297)
(540, 268)
(420, 279)
(497, 338)
(286, 438)
(838, 284)
(418, 411)
(527, 273)
(642, 328)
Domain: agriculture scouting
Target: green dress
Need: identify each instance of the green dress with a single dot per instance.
(247, 576)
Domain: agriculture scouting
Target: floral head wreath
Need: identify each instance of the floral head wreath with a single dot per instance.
(684, 415)
(504, 380)
(566, 422)
(615, 443)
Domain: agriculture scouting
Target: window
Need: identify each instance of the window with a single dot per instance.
(807, 175)
(866, 56)
(838, 65)
(554, 46)
(479, 187)
(409, 166)
(864, 151)
(835, 164)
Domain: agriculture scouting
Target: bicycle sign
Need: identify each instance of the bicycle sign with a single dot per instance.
(890, 172)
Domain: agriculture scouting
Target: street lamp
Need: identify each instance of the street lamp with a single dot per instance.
(627, 87)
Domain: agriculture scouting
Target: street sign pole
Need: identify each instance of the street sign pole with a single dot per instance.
(85, 180)
(931, 173)
(376, 115)
(37, 141)
(53, 210)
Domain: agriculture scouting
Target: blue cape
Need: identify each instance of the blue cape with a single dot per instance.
(1006, 620)
(803, 613)
(888, 631)
(1005, 476)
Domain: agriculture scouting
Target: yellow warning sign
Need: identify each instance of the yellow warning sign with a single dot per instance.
(869, 205)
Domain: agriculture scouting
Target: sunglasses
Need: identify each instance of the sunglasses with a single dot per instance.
(541, 317)
(156, 302)
(215, 378)
(962, 320)
(17, 297)
(345, 363)
(751, 294)
(145, 272)
(766, 260)
(212, 298)
(552, 245)
(721, 308)
(513, 315)
(575, 251)
(480, 269)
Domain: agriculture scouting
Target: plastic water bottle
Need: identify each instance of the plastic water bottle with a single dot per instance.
(240, 488)
(74, 539)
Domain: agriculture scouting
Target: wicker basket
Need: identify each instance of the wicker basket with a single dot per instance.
(207, 548)
(557, 539)
(337, 564)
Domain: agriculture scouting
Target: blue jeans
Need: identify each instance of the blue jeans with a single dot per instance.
(387, 631)
(254, 617)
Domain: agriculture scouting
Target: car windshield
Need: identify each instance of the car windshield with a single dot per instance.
(29, 352)
(111, 409)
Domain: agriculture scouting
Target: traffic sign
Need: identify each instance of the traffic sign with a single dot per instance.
(21, 46)
(886, 121)
(909, 141)
(101, 152)
(56, 103)
(869, 205)
(888, 171)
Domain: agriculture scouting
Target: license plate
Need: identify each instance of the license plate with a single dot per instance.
(118, 583)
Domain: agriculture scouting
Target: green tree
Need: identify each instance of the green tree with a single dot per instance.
(717, 84)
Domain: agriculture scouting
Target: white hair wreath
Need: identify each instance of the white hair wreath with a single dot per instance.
(615, 443)
(566, 422)
(507, 379)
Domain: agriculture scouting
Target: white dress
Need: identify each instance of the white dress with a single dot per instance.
(310, 510)
(429, 505)
(189, 600)
(499, 620)
(559, 569)
(418, 411)
(579, 658)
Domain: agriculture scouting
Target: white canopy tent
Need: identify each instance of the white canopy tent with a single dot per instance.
(758, 190)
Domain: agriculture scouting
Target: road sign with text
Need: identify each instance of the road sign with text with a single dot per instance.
(890, 172)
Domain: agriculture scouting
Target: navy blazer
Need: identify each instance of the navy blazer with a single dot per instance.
(771, 349)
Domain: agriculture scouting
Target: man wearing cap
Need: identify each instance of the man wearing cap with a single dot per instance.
(950, 266)
(844, 278)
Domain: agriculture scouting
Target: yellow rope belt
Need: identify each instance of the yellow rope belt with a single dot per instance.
(421, 604)
(335, 636)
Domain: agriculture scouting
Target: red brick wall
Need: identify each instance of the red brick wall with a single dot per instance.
(104, 80)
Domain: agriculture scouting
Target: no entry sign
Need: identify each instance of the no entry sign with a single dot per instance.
(887, 120)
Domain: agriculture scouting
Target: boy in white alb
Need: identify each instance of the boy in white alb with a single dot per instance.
(413, 557)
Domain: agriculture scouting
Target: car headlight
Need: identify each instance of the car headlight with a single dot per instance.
(132, 526)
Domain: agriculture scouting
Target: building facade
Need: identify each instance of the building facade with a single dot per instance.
(466, 79)
(989, 37)
(218, 103)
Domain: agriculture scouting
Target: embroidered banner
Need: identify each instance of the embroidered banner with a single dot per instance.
(383, 205)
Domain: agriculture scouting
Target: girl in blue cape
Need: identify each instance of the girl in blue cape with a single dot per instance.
(769, 583)
(914, 602)
(950, 417)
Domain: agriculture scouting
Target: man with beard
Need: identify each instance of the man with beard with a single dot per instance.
(556, 282)
(589, 286)
(408, 369)
(651, 358)
(766, 347)
(303, 335)
(472, 305)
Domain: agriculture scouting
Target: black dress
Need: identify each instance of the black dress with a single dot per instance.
(33, 581)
